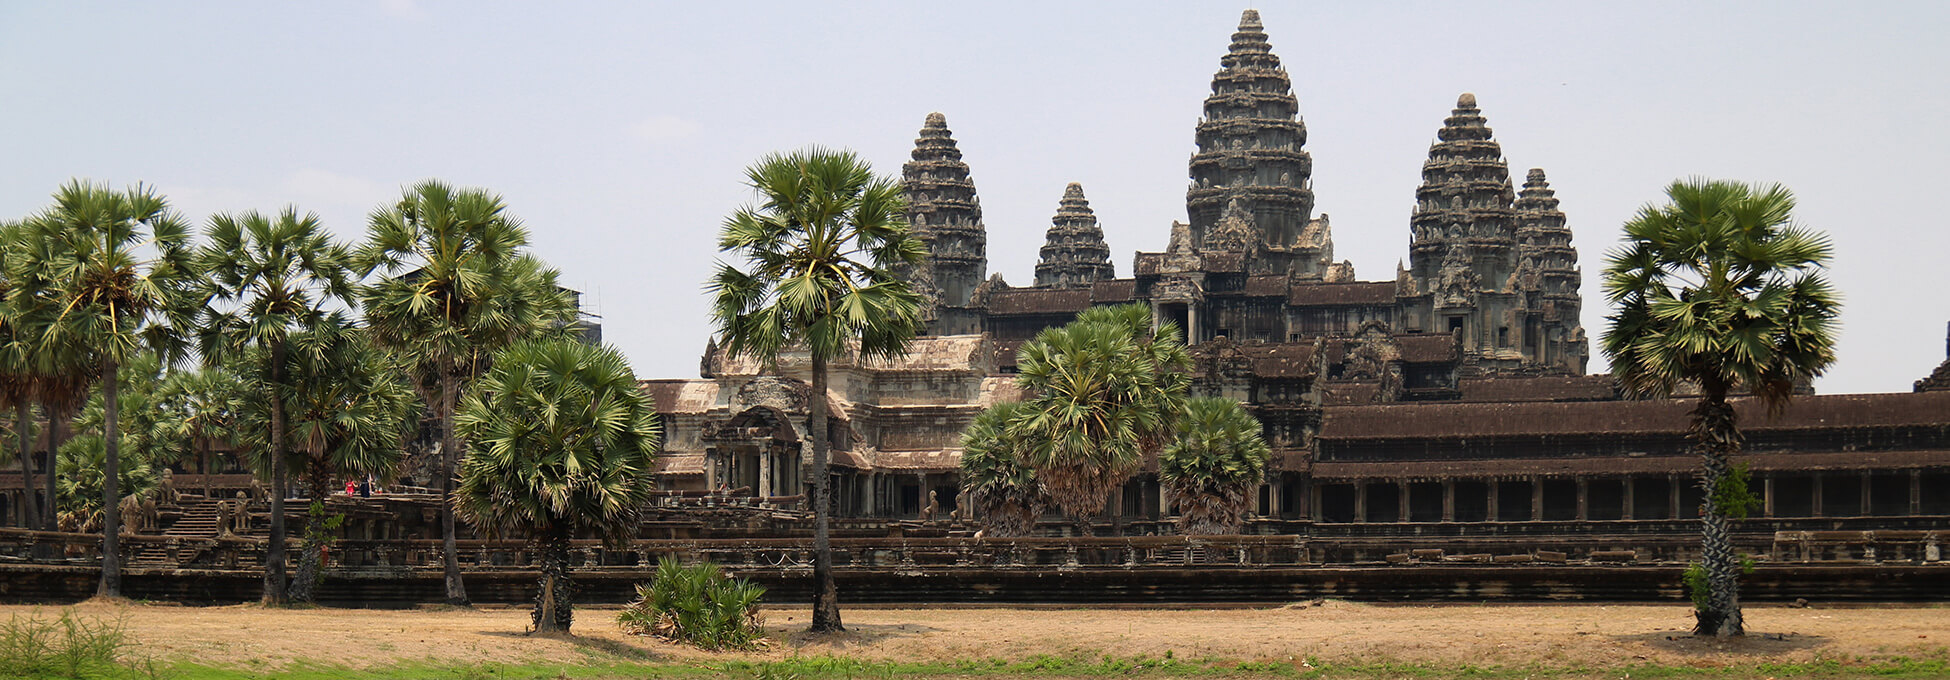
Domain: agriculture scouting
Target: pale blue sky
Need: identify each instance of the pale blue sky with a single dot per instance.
(617, 131)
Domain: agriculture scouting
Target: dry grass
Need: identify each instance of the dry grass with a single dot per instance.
(1562, 636)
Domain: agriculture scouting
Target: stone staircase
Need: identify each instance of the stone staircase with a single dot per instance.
(198, 520)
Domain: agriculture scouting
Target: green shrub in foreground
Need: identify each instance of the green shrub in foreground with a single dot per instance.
(67, 647)
(697, 605)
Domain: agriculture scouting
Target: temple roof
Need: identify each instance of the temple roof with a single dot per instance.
(1359, 293)
(1039, 300)
(1664, 416)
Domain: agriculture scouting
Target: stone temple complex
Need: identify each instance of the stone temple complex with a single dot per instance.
(1442, 414)
(1454, 391)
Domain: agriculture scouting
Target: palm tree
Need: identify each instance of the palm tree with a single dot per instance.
(562, 443)
(201, 407)
(269, 276)
(1211, 472)
(142, 449)
(818, 248)
(456, 288)
(103, 269)
(995, 476)
(1107, 390)
(1719, 288)
(347, 408)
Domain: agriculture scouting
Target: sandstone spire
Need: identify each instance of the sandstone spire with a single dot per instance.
(1074, 253)
(944, 211)
(1549, 270)
(1464, 203)
(1249, 150)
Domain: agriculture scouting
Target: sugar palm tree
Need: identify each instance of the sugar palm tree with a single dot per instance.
(1719, 288)
(1214, 467)
(269, 276)
(456, 287)
(348, 409)
(995, 476)
(818, 250)
(104, 269)
(1107, 389)
(562, 443)
(18, 383)
(201, 407)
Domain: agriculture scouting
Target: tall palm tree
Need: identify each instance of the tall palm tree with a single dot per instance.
(1719, 288)
(818, 248)
(269, 276)
(57, 373)
(104, 269)
(456, 287)
(18, 383)
(1214, 467)
(562, 442)
(1107, 389)
(347, 407)
(995, 476)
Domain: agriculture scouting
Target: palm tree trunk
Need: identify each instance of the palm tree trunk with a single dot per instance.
(274, 579)
(554, 606)
(305, 586)
(1716, 433)
(203, 447)
(826, 593)
(449, 457)
(111, 585)
(24, 424)
(57, 434)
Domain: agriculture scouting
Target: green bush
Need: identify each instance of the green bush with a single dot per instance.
(697, 605)
(67, 647)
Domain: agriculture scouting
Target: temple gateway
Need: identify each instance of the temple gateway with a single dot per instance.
(1454, 391)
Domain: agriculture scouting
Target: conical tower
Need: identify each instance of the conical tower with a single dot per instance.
(944, 211)
(1462, 248)
(1464, 202)
(1250, 150)
(1550, 266)
(1074, 254)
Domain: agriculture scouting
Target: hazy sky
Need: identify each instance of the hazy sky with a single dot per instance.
(618, 131)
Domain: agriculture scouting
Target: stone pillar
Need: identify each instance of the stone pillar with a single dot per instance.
(1448, 500)
(1361, 500)
(1494, 499)
(1817, 511)
(1767, 496)
(1674, 497)
(1630, 483)
(866, 504)
(1401, 499)
(1584, 499)
(764, 489)
(1867, 508)
(1307, 500)
(1536, 498)
(1164, 506)
(1915, 492)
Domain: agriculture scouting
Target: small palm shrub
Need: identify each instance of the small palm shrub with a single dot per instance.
(696, 605)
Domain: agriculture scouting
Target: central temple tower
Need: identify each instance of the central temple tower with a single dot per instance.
(1249, 152)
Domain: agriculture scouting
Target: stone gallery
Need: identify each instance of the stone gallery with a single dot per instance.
(1453, 391)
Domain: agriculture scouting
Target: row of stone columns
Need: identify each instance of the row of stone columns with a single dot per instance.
(1676, 489)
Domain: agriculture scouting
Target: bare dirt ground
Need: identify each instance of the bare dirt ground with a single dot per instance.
(1559, 636)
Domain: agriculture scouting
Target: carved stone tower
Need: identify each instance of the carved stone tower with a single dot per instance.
(1249, 150)
(1074, 253)
(1462, 248)
(1549, 277)
(944, 212)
